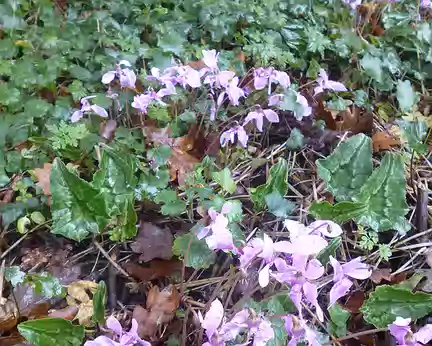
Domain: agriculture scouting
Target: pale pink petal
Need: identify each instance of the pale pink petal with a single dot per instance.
(400, 328)
(113, 324)
(210, 58)
(125, 63)
(275, 100)
(267, 250)
(99, 111)
(249, 253)
(223, 78)
(311, 293)
(314, 270)
(108, 77)
(76, 116)
(264, 276)
(424, 335)
(295, 228)
(308, 244)
(284, 247)
(337, 269)
(127, 78)
(203, 232)
(271, 115)
(339, 290)
(296, 296)
(282, 78)
(192, 77)
(258, 117)
(168, 90)
(234, 92)
(323, 76)
(318, 89)
(220, 98)
(356, 269)
(336, 86)
(299, 262)
(261, 77)
(328, 228)
(242, 136)
(101, 341)
(213, 318)
(263, 334)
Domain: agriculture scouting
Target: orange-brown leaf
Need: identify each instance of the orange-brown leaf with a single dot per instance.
(156, 269)
(43, 175)
(382, 141)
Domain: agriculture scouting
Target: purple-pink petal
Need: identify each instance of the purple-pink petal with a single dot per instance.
(314, 269)
(213, 318)
(113, 324)
(264, 276)
(258, 117)
(400, 328)
(108, 77)
(424, 335)
(99, 111)
(127, 78)
(311, 293)
(77, 116)
(339, 290)
(271, 115)
(356, 269)
(338, 273)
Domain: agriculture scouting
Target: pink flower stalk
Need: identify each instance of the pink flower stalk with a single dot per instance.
(221, 237)
(324, 83)
(298, 275)
(268, 76)
(342, 272)
(259, 115)
(401, 330)
(229, 136)
(298, 331)
(86, 107)
(126, 76)
(122, 338)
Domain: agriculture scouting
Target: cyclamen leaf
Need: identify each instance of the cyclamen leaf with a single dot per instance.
(224, 179)
(277, 181)
(46, 285)
(389, 302)
(406, 96)
(279, 206)
(415, 132)
(295, 140)
(127, 221)
(339, 318)
(195, 252)
(346, 170)
(383, 194)
(339, 213)
(373, 67)
(52, 331)
(330, 250)
(78, 208)
(99, 302)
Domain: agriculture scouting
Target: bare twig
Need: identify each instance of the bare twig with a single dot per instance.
(108, 257)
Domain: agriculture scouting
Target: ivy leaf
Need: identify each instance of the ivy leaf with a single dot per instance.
(277, 181)
(99, 302)
(279, 206)
(339, 318)
(46, 285)
(14, 275)
(295, 140)
(346, 170)
(194, 252)
(406, 96)
(383, 194)
(224, 179)
(389, 302)
(52, 331)
(415, 132)
(339, 213)
(78, 208)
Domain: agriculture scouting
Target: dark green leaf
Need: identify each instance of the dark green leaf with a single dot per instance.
(279, 206)
(80, 73)
(174, 208)
(277, 181)
(14, 275)
(160, 154)
(313, 70)
(78, 208)
(415, 133)
(339, 318)
(194, 252)
(339, 213)
(126, 221)
(330, 250)
(346, 170)
(159, 113)
(8, 95)
(52, 331)
(387, 303)
(99, 302)
(406, 96)
(224, 179)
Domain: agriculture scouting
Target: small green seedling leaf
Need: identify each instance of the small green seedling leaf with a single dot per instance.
(279, 206)
(99, 303)
(46, 285)
(37, 217)
(339, 318)
(22, 224)
(52, 331)
(224, 179)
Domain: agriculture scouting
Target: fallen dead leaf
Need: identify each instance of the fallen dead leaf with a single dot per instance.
(79, 295)
(181, 164)
(355, 121)
(43, 175)
(108, 129)
(160, 309)
(156, 269)
(153, 242)
(355, 302)
(68, 313)
(8, 315)
(383, 141)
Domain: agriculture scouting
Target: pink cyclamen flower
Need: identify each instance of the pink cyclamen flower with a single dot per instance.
(298, 331)
(126, 76)
(259, 115)
(401, 330)
(262, 332)
(304, 110)
(229, 81)
(324, 83)
(213, 318)
(354, 3)
(342, 272)
(221, 237)
(143, 101)
(86, 107)
(426, 4)
(229, 136)
(299, 275)
(121, 337)
(268, 76)
(210, 59)
(188, 76)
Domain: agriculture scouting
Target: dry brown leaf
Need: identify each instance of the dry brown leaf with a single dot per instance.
(153, 242)
(181, 164)
(8, 315)
(43, 175)
(355, 121)
(157, 269)
(68, 313)
(161, 308)
(80, 295)
(108, 129)
(383, 141)
(355, 301)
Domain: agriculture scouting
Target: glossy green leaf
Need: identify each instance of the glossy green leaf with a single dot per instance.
(383, 194)
(193, 251)
(52, 331)
(78, 208)
(224, 179)
(346, 170)
(339, 213)
(388, 302)
(127, 220)
(330, 250)
(414, 133)
(277, 181)
(373, 67)
(99, 303)
(279, 206)
(46, 285)
(14, 275)
(406, 96)
(339, 318)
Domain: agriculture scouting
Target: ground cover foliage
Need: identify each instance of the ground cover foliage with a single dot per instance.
(215, 172)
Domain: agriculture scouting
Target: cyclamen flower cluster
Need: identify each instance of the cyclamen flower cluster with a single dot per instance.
(401, 330)
(219, 331)
(120, 337)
